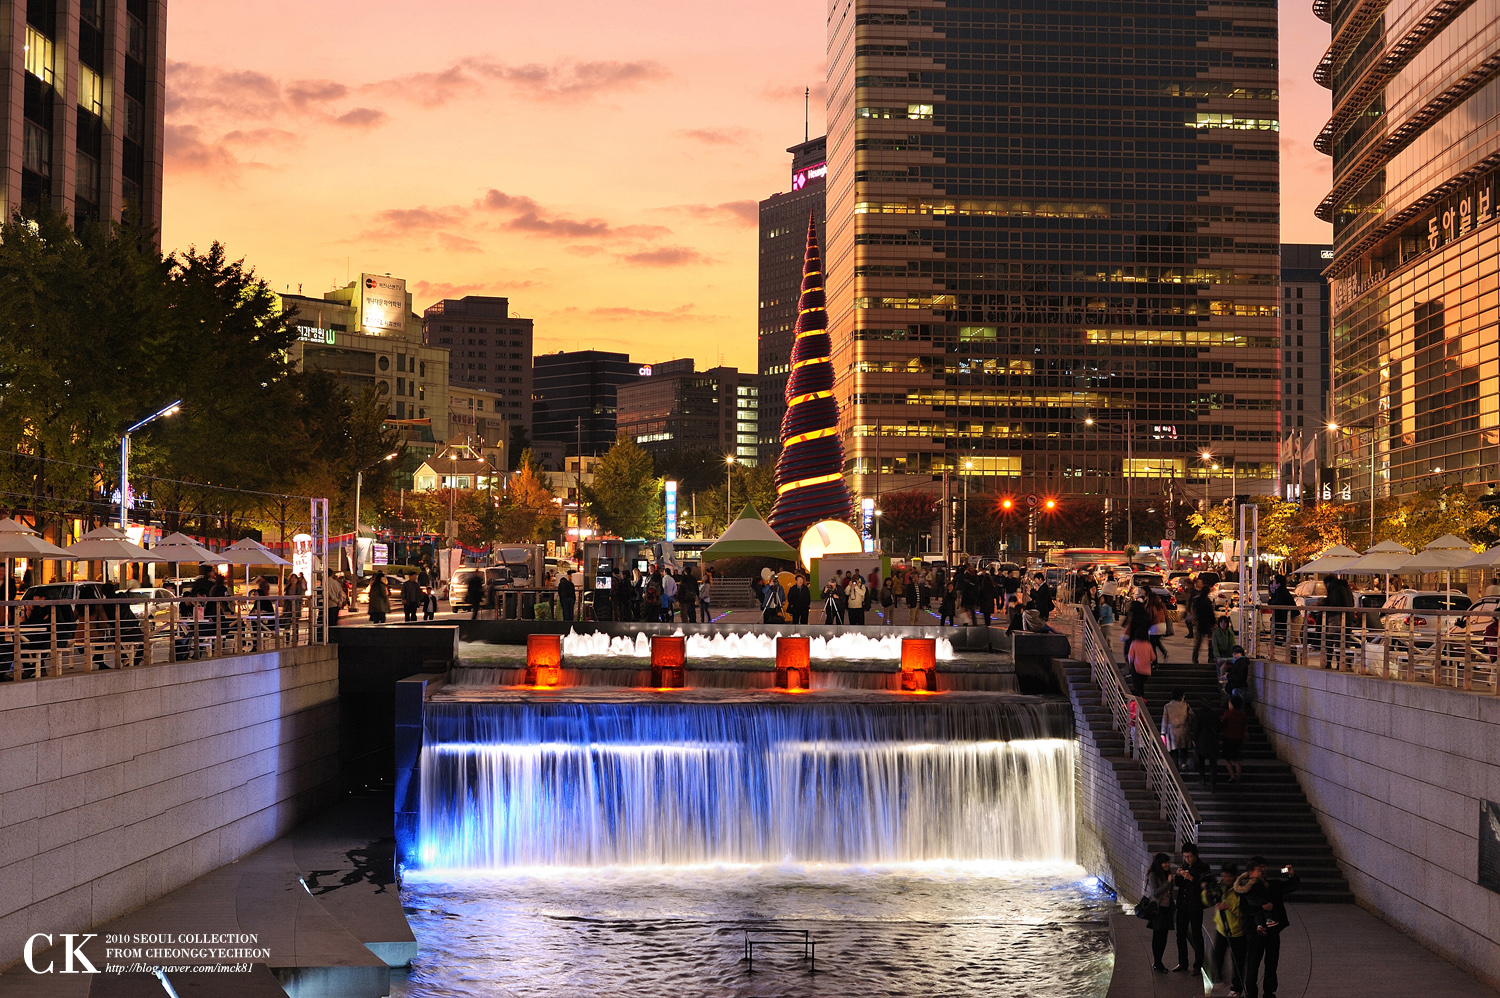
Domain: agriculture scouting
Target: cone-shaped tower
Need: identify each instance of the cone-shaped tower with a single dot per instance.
(810, 471)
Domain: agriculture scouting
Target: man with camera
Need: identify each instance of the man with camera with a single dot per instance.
(1229, 928)
(1263, 908)
(1191, 876)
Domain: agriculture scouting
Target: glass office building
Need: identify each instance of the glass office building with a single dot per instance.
(1040, 214)
(1415, 140)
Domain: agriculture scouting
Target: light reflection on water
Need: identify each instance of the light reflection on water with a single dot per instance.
(927, 929)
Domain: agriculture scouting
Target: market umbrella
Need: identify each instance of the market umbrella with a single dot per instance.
(1484, 559)
(1442, 555)
(175, 549)
(750, 537)
(19, 541)
(1336, 559)
(109, 544)
(247, 551)
(1382, 559)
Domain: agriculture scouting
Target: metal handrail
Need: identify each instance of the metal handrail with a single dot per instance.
(123, 632)
(1132, 718)
(1444, 649)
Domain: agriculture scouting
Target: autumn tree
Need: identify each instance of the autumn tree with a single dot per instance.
(625, 498)
(904, 518)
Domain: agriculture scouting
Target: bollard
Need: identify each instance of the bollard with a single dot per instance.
(668, 661)
(793, 663)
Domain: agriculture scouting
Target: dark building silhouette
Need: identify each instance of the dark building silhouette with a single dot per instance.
(1305, 312)
(573, 385)
(783, 227)
(675, 409)
(490, 350)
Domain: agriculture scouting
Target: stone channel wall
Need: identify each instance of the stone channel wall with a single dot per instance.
(119, 787)
(1397, 774)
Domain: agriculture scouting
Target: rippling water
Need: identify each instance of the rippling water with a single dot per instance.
(920, 930)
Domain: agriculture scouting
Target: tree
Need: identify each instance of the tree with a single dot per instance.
(528, 512)
(904, 518)
(625, 498)
(753, 484)
(520, 444)
(1421, 518)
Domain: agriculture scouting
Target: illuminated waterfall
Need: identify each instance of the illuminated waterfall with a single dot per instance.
(639, 784)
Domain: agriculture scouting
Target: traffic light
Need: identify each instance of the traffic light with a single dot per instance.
(1006, 504)
(1051, 505)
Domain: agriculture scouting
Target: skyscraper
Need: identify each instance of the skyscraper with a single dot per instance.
(1041, 214)
(1305, 311)
(490, 350)
(674, 409)
(574, 385)
(783, 231)
(85, 89)
(1415, 140)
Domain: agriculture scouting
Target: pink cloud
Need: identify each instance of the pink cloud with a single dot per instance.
(361, 117)
(739, 212)
(665, 256)
(716, 136)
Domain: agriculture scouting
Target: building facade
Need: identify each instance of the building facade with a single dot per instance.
(490, 350)
(367, 336)
(1415, 141)
(674, 409)
(1306, 310)
(783, 232)
(575, 385)
(85, 91)
(1040, 215)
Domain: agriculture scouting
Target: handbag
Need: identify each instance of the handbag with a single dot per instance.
(1147, 908)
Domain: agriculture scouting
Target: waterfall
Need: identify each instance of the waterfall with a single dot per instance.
(851, 647)
(637, 784)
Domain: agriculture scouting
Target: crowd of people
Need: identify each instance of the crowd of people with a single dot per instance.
(1249, 915)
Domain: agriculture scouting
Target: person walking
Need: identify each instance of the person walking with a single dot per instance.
(1263, 906)
(1192, 875)
(987, 597)
(380, 599)
(1176, 727)
(1206, 744)
(411, 599)
(567, 594)
(474, 594)
(1336, 621)
(1221, 642)
(1156, 609)
(687, 596)
(888, 600)
(1232, 737)
(1159, 889)
(1043, 596)
(429, 594)
(1281, 597)
(1140, 654)
(1201, 613)
(1229, 929)
(945, 604)
(799, 600)
(921, 595)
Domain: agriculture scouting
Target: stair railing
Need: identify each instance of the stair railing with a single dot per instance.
(1132, 718)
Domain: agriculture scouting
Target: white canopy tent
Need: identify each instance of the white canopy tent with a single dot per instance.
(109, 544)
(19, 541)
(247, 551)
(1442, 555)
(1382, 559)
(1336, 559)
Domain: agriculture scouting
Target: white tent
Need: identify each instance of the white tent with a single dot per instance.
(1442, 555)
(109, 544)
(19, 541)
(247, 551)
(1484, 559)
(175, 549)
(1382, 559)
(1336, 559)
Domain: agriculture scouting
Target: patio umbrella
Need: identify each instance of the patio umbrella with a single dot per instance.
(109, 544)
(248, 551)
(1382, 559)
(174, 549)
(1336, 559)
(19, 541)
(1484, 559)
(1442, 555)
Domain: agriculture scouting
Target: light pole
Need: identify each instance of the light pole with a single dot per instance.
(968, 467)
(125, 459)
(1234, 491)
(1129, 472)
(877, 531)
(1334, 427)
(359, 481)
(728, 490)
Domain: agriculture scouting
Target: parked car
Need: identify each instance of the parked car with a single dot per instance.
(1154, 582)
(1225, 595)
(160, 611)
(1310, 592)
(1415, 621)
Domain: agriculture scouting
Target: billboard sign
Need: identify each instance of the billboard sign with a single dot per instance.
(382, 304)
(671, 489)
(867, 523)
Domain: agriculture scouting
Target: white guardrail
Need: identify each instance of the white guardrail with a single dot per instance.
(42, 638)
(1132, 718)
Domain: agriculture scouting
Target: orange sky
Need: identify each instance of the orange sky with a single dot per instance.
(596, 162)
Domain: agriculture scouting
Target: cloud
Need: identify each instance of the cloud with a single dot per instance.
(716, 136)
(665, 256)
(738, 212)
(682, 313)
(303, 93)
(405, 219)
(458, 244)
(780, 93)
(361, 117)
(530, 217)
(566, 81)
(259, 138)
(435, 290)
(187, 150)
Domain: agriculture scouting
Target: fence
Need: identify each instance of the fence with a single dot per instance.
(51, 637)
(1449, 647)
(1132, 718)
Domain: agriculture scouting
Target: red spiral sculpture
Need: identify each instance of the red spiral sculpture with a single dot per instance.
(810, 471)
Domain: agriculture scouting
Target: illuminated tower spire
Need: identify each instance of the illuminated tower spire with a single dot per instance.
(810, 471)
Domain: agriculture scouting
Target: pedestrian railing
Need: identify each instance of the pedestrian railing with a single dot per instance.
(1132, 718)
(41, 638)
(1449, 647)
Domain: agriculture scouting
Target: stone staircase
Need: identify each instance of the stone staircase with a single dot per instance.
(1266, 813)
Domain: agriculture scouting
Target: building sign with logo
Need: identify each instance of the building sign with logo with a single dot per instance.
(671, 490)
(801, 178)
(382, 304)
(312, 334)
(644, 370)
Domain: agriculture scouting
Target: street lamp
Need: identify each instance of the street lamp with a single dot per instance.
(1234, 490)
(1334, 428)
(877, 531)
(170, 410)
(1129, 432)
(728, 490)
(968, 466)
(359, 481)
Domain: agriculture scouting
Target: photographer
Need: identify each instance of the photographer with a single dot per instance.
(1263, 909)
(1189, 879)
(1229, 928)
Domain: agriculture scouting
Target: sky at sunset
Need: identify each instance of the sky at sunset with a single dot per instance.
(597, 163)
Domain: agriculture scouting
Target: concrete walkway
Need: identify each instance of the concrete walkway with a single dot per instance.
(320, 899)
(1327, 951)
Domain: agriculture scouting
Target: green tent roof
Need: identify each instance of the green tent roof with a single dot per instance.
(750, 537)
